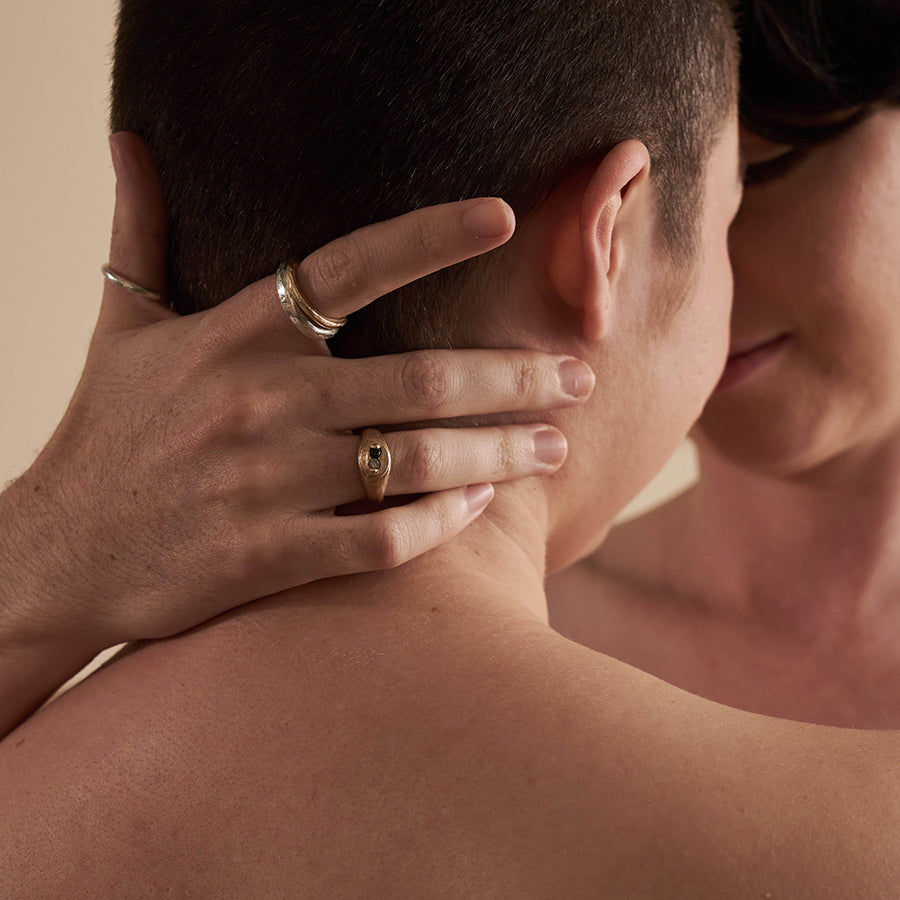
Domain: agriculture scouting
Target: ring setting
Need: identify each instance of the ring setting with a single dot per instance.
(374, 460)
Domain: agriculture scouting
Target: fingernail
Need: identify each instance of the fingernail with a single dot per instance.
(488, 218)
(576, 379)
(478, 496)
(550, 447)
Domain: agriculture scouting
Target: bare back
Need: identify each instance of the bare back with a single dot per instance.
(359, 743)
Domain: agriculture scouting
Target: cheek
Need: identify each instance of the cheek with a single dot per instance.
(818, 264)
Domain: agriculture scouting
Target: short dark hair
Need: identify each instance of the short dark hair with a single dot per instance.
(278, 126)
(810, 69)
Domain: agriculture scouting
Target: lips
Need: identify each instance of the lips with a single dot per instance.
(747, 357)
(742, 348)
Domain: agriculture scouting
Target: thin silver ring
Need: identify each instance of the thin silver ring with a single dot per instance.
(116, 278)
(300, 311)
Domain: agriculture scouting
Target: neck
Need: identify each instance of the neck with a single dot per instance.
(817, 551)
(496, 566)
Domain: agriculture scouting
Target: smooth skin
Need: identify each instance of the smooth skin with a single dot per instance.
(200, 462)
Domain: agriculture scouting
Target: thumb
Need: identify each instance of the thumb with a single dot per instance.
(137, 250)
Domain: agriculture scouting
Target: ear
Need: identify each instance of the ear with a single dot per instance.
(589, 234)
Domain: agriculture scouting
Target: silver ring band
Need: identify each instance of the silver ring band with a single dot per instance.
(300, 311)
(116, 278)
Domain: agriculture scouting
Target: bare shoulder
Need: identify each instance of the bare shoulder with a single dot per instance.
(341, 751)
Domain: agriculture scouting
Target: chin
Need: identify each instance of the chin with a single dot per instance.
(771, 455)
(778, 439)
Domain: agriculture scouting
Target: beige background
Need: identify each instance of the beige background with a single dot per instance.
(56, 198)
(56, 193)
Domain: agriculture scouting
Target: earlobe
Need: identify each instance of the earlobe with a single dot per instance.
(588, 246)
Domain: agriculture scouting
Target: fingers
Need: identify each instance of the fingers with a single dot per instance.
(423, 461)
(391, 537)
(138, 244)
(436, 459)
(352, 271)
(349, 273)
(445, 384)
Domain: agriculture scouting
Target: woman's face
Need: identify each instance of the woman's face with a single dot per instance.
(814, 369)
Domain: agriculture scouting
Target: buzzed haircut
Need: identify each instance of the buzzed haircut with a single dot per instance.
(278, 126)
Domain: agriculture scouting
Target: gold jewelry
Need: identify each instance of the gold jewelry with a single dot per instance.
(300, 311)
(374, 459)
(116, 278)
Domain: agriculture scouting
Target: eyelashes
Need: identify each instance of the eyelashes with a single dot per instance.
(769, 170)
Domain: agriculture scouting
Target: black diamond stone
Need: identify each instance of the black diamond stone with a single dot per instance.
(375, 452)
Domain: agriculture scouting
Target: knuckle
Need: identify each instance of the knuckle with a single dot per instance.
(254, 556)
(195, 438)
(335, 271)
(209, 343)
(425, 382)
(252, 483)
(233, 415)
(447, 522)
(508, 454)
(391, 543)
(218, 415)
(217, 493)
(426, 463)
(234, 485)
(426, 240)
(444, 520)
(525, 380)
(271, 552)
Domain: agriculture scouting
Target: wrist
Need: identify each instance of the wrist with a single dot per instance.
(34, 581)
(39, 651)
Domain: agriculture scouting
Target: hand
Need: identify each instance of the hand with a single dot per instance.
(201, 458)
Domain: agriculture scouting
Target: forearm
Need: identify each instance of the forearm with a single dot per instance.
(39, 649)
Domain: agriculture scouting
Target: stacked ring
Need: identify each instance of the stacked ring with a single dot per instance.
(300, 311)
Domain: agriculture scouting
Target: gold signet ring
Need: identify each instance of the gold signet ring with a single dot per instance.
(374, 460)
